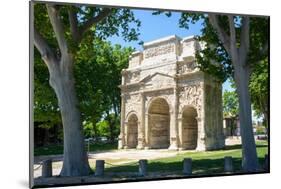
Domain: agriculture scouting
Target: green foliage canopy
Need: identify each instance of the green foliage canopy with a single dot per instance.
(230, 104)
(98, 64)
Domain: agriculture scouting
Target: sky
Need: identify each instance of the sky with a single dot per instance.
(157, 26)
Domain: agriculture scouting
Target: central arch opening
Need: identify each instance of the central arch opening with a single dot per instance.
(132, 131)
(159, 124)
(190, 128)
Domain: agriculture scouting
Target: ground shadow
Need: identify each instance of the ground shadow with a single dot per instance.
(239, 146)
(199, 166)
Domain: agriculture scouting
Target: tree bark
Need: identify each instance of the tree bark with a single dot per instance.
(249, 153)
(75, 161)
(111, 126)
(265, 114)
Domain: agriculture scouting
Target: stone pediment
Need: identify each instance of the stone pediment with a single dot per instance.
(157, 80)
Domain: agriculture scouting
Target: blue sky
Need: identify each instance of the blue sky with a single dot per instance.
(158, 26)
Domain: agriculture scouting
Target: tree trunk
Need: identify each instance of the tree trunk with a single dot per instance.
(75, 161)
(241, 77)
(249, 153)
(266, 122)
(94, 121)
(111, 127)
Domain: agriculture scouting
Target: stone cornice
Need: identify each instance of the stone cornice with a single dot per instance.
(161, 40)
(190, 74)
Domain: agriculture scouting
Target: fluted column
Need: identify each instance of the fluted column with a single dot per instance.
(125, 135)
(122, 125)
(201, 145)
(147, 145)
(201, 122)
(180, 134)
(141, 127)
(174, 123)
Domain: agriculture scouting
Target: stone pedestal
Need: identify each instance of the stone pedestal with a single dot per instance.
(187, 166)
(266, 165)
(99, 168)
(142, 167)
(47, 168)
(228, 166)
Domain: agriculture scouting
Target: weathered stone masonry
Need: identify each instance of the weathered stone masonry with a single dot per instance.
(167, 102)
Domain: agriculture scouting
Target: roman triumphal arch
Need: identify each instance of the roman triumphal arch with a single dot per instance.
(167, 103)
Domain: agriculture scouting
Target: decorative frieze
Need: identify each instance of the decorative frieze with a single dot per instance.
(159, 50)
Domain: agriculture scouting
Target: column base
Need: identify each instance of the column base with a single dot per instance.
(146, 147)
(201, 144)
(201, 148)
(140, 147)
(120, 147)
(173, 147)
(120, 144)
(141, 144)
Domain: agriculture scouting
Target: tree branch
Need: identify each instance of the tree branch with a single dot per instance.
(233, 47)
(57, 27)
(223, 37)
(94, 20)
(72, 16)
(245, 39)
(44, 49)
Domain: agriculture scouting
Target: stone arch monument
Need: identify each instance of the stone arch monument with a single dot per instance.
(167, 102)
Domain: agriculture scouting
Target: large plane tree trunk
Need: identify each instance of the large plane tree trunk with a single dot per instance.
(60, 64)
(75, 161)
(239, 58)
(249, 153)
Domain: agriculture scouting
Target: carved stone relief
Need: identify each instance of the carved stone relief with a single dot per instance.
(132, 103)
(186, 67)
(133, 77)
(159, 50)
(191, 95)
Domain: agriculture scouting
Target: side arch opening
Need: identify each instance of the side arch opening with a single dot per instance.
(132, 131)
(189, 128)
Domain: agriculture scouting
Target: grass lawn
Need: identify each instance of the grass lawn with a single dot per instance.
(211, 162)
(58, 149)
